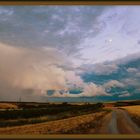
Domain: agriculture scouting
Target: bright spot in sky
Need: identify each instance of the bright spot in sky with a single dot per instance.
(110, 40)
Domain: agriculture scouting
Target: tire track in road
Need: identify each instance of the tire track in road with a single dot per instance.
(112, 126)
(125, 123)
(118, 122)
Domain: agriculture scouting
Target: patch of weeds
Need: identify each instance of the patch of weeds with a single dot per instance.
(136, 119)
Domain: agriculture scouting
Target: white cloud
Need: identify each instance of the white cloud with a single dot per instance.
(113, 83)
(30, 72)
(26, 68)
(31, 68)
(73, 80)
(89, 90)
(125, 95)
(105, 68)
(121, 27)
(132, 70)
(92, 89)
(131, 82)
(138, 74)
(99, 68)
(66, 94)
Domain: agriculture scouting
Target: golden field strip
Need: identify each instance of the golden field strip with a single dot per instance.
(8, 106)
(53, 127)
(135, 110)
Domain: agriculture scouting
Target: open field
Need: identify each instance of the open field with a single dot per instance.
(76, 118)
(38, 113)
(135, 110)
(54, 127)
(8, 106)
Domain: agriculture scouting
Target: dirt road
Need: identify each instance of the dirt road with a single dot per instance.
(117, 122)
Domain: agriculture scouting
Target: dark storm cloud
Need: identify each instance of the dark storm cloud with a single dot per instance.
(60, 27)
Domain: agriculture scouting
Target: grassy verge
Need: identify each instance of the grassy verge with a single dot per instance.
(85, 128)
(135, 119)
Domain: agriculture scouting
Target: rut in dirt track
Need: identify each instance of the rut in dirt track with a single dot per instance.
(118, 122)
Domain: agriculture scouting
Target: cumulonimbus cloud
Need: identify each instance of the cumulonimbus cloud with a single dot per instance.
(30, 68)
(31, 72)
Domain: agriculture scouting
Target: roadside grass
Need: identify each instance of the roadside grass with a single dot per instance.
(107, 110)
(18, 122)
(85, 128)
(121, 108)
(134, 112)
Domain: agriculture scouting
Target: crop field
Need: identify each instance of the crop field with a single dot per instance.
(63, 126)
(135, 110)
(27, 113)
(8, 106)
(68, 118)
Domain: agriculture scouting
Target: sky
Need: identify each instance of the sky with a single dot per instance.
(69, 53)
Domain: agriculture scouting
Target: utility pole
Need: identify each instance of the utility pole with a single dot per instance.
(19, 99)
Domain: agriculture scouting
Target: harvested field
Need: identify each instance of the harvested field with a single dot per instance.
(8, 106)
(53, 127)
(135, 110)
